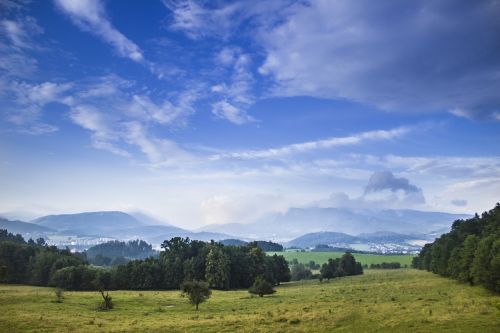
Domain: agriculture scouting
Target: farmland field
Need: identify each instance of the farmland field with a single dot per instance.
(403, 300)
(321, 257)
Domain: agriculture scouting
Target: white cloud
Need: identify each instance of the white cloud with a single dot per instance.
(196, 20)
(223, 19)
(225, 110)
(90, 16)
(319, 144)
(160, 152)
(17, 40)
(459, 202)
(24, 103)
(166, 112)
(237, 208)
(237, 91)
(417, 57)
(20, 31)
(103, 136)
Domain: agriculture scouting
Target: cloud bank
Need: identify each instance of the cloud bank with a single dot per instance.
(420, 56)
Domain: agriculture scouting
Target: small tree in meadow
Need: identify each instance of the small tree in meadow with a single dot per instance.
(59, 293)
(261, 287)
(197, 292)
(103, 282)
(107, 303)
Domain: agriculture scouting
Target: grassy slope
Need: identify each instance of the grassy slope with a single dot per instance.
(379, 301)
(321, 257)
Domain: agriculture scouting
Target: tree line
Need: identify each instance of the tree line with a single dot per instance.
(182, 259)
(470, 252)
(338, 267)
(32, 262)
(386, 265)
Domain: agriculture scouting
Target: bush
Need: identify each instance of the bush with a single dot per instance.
(261, 287)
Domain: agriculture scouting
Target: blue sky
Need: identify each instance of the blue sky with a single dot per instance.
(202, 112)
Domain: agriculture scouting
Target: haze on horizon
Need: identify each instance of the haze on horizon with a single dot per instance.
(217, 112)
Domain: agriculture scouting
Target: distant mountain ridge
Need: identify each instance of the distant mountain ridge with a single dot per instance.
(331, 225)
(19, 227)
(299, 221)
(120, 225)
(89, 223)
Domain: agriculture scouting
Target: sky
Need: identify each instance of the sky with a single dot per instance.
(203, 112)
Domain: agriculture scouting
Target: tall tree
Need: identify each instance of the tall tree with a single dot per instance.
(217, 268)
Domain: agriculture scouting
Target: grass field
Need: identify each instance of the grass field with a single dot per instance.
(321, 257)
(403, 300)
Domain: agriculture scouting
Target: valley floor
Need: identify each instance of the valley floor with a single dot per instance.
(403, 300)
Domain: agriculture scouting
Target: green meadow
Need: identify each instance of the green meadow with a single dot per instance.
(322, 257)
(404, 300)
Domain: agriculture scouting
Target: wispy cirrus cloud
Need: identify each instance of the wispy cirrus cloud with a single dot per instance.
(90, 16)
(17, 41)
(318, 144)
(117, 114)
(103, 135)
(237, 93)
(25, 102)
(196, 21)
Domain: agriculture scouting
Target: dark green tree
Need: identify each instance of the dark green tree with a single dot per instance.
(467, 256)
(217, 268)
(281, 269)
(261, 287)
(196, 291)
(328, 269)
(480, 270)
(300, 272)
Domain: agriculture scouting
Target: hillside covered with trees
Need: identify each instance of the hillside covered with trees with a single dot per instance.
(116, 252)
(470, 252)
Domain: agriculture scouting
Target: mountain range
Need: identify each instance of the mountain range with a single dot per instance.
(324, 226)
(106, 224)
(299, 221)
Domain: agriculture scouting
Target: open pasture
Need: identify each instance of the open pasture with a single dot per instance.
(403, 300)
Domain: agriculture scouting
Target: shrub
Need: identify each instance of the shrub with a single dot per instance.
(59, 295)
(107, 302)
(261, 287)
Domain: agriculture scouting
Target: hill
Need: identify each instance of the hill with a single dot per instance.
(89, 223)
(25, 228)
(232, 242)
(316, 238)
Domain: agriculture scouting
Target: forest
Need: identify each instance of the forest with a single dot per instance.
(182, 259)
(469, 253)
(223, 267)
